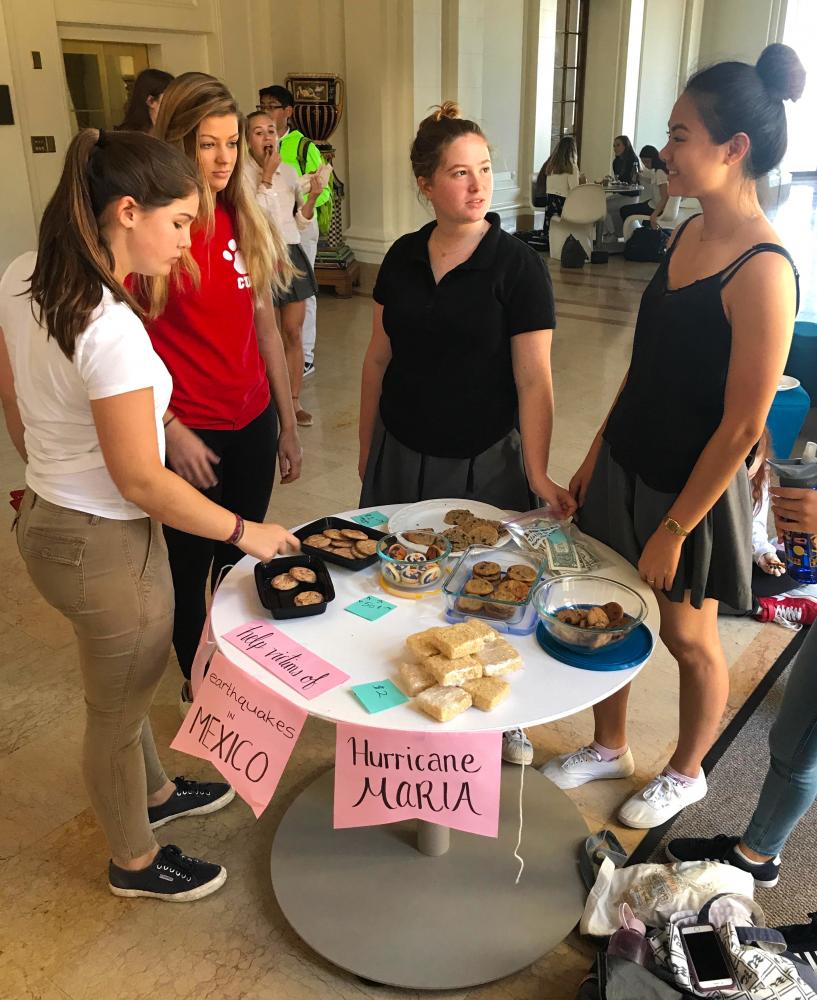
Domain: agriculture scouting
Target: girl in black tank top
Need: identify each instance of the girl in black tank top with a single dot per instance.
(665, 482)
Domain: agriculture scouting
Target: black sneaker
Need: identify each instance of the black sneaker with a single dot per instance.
(191, 798)
(309, 368)
(171, 876)
(722, 848)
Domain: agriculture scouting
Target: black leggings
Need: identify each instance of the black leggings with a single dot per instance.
(642, 208)
(245, 474)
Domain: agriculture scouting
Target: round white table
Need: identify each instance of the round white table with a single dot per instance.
(397, 906)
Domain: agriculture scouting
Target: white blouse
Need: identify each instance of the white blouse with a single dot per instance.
(281, 202)
(562, 184)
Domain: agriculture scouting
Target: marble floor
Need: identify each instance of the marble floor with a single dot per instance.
(64, 937)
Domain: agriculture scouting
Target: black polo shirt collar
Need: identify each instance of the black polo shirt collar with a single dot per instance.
(483, 257)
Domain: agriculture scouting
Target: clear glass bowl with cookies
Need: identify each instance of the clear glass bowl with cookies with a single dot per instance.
(495, 585)
(587, 613)
(413, 562)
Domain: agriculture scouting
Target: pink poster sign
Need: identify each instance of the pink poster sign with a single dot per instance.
(245, 730)
(383, 776)
(286, 659)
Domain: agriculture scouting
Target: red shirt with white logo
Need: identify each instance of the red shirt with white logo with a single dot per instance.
(206, 336)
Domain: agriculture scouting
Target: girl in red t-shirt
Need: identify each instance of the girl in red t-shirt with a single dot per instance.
(214, 327)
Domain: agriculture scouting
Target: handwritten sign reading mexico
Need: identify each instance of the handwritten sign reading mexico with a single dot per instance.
(245, 730)
(286, 659)
(382, 776)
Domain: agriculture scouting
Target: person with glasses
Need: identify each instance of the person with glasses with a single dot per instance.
(302, 154)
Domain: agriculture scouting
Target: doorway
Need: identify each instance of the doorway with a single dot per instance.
(100, 78)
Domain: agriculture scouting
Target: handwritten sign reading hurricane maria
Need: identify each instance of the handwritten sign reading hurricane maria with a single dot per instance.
(245, 730)
(286, 659)
(383, 776)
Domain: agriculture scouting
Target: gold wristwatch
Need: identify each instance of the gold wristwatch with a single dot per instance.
(674, 528)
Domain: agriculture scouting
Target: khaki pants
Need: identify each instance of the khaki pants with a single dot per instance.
(111, 580)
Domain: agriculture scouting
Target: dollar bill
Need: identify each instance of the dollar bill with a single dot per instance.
(561, 553)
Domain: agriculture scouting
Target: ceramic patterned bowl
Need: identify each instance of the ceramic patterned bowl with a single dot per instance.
(413, 566)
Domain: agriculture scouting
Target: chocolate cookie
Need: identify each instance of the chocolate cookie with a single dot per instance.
(486, 569)
(482, 533)
(284, 581)
(420, 536)
(457, 517)
(308, 597)
(458, 538)
(468, 605)
(303, 574)
(318, 541)
(479, 587)
(527, 574)
(512, 590)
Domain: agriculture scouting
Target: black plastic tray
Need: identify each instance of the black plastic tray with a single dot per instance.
(281, 603)
(316, 527)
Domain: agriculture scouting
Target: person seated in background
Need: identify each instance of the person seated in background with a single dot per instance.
(557, 178)
(776, 596)
(624, 171)
(145, 98)
(625, 162)
(653, 176)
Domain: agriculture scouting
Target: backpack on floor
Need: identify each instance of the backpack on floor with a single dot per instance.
(573, 253)
(647, 244)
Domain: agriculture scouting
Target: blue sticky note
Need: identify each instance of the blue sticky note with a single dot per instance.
(371, 608)
(371, 520)
(379, 695)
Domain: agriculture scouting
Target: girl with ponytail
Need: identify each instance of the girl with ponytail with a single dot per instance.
(216, 332)
(85, 398)
(664, 482)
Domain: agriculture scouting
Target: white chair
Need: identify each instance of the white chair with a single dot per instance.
(583, 208)
(666, 220)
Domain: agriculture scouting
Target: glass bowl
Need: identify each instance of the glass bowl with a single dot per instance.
(579, 594)
(406, 565)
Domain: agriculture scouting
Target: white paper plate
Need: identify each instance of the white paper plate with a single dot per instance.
(431, 514)
(787, 382)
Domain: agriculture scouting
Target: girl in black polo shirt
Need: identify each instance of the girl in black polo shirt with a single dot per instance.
(664, 482)
(457, 396)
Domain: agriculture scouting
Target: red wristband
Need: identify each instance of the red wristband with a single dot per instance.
(238, 531)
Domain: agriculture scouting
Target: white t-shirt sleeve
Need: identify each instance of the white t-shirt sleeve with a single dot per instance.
(660, 178)
(114, 355)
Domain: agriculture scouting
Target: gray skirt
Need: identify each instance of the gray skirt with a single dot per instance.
(300, 288)
(397, 474)
(716, 559)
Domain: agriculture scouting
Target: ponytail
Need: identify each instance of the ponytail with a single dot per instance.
(74, 260)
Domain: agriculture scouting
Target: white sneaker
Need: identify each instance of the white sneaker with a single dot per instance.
(585, 764)
(185, 699)
(516, 747)
(660, 800)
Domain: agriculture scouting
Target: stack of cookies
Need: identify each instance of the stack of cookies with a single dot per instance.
(347, 543)
(488, 586)
(456, 667)
(468, 529)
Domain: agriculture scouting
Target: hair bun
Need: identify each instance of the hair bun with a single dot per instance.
(448, 109)
(781, 72)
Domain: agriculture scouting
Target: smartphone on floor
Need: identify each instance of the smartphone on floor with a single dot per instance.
(708, 965)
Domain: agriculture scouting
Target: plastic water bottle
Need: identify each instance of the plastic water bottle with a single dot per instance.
(801, 548)
(629, 941)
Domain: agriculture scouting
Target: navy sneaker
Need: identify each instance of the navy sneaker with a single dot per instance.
(171, 876)
(191, 798)
(309, 368)
(722, 848)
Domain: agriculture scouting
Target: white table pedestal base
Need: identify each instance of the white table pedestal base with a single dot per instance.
(369, 901)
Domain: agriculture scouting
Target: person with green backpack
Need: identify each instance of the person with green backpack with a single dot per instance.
(301, 153)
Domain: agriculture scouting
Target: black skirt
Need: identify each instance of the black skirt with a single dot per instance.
(300, 288)
(716, 558)
(397, 474)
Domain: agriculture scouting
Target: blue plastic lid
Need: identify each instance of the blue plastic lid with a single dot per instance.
(620, 656)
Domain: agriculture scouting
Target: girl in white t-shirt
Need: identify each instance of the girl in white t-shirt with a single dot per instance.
(653, 177)
(84, 396)
(557, 178)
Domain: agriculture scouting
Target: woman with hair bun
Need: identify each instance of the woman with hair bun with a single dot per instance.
(457, 396)
(85, 399)
(664, 482)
